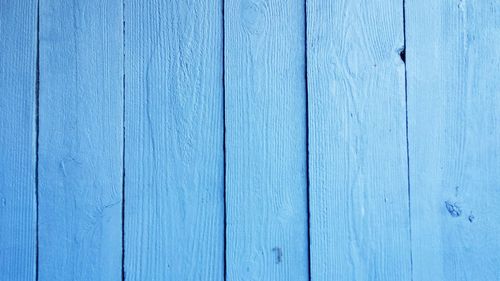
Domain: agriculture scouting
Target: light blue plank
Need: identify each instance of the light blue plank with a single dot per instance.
(80, 157)
(174, 175)
(17, 139)
(454, 135)
(359, 224)
(265, 108)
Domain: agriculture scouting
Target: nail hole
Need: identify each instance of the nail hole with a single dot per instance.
(402, 54)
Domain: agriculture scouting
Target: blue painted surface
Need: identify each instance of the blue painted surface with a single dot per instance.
(249, 140)
(266, 182)
(359, 225)
(80, 140)
(17, 140)
(174, 156)
(453, 70)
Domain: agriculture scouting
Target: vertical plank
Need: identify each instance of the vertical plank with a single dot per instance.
(17, 139)
(174, 174)
(80, 158)
(454, 136)
(265, 140)
(359, 223)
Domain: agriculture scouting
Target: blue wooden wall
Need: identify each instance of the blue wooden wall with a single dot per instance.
(249, 140)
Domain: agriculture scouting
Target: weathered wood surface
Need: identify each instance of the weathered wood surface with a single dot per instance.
(249, 140)
(359, 224)
(453, 68)
(174, 158)
(81, 140)
(265, 105)
(17, 140)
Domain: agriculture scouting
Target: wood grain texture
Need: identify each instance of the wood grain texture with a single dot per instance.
(454, 135)
(174, 174)
(81, 140)
(17, 139)
(359, 223)
(265, 140)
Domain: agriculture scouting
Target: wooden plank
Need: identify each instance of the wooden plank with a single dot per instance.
(17, 139)
(454, 135)
(81, 140)
(265, 109)
(359, 224)
(174, 174)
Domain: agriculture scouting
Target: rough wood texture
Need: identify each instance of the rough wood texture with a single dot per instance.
(17, 139)
(359, 223)
(80, 143)
(208, 105)
(454, 135)
(174, 174)
(265, 140)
